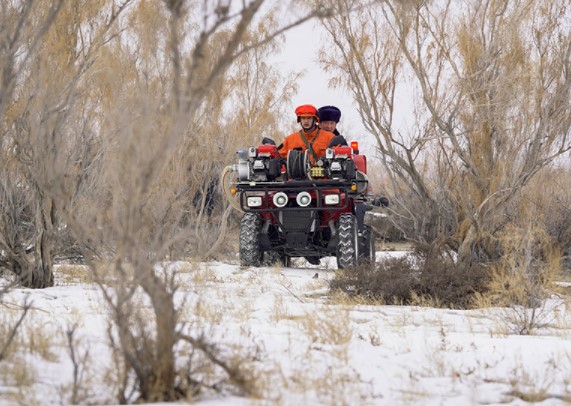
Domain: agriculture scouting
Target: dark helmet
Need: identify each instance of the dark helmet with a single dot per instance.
(329, 113)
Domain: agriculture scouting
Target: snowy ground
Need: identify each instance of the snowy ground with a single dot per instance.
(317, 351)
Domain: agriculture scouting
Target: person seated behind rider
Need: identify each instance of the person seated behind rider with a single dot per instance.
(310, 134)
(329, 117)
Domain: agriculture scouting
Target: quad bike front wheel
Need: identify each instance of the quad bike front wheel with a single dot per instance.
(250, 253)
(348, 246)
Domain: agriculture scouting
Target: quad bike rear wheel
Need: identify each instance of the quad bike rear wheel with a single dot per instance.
(348, 246)
(250, 253)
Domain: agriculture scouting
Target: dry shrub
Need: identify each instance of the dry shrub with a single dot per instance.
(527, 268)
(523, 278)
(391, 280)
(549, 196)
(240, 368)
(445, 280)
(428, 275)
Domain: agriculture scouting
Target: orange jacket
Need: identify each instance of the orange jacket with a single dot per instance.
(319, 145)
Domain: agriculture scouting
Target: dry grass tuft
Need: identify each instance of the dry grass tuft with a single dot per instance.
(344, 298)
(41, 340)
(22, 339)
(328, 325)
(18, 374)
(73, 274)
(279, 309)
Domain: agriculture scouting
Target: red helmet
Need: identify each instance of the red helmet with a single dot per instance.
(306, 110)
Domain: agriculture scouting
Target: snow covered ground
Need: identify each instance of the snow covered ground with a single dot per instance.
(313, 349)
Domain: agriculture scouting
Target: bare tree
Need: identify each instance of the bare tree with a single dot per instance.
(492, 85)
(45, 128)
(156, 113)
(20, 34)
(242, 109)
(101, 113)
(15, 215)
(22, 30)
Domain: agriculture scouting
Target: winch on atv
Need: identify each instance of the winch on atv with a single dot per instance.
(298, 207)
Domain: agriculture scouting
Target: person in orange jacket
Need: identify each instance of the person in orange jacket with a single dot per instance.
(310, 135)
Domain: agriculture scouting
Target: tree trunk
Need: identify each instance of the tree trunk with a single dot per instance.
(161, 386)
(467, 246)
(39, 275)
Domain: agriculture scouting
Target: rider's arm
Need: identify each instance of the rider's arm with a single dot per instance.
(336, 141)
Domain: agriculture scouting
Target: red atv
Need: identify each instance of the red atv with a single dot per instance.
(297, 208)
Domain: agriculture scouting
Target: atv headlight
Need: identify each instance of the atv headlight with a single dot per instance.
(331, 200)
(280, 199)
(303, 199)
(254, 201)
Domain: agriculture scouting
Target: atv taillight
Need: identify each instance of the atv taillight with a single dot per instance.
(270, 151)
(355, 146)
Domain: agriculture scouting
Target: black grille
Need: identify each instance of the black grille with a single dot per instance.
(297, 220)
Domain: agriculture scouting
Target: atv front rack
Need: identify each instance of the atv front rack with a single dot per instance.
(317, 189)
